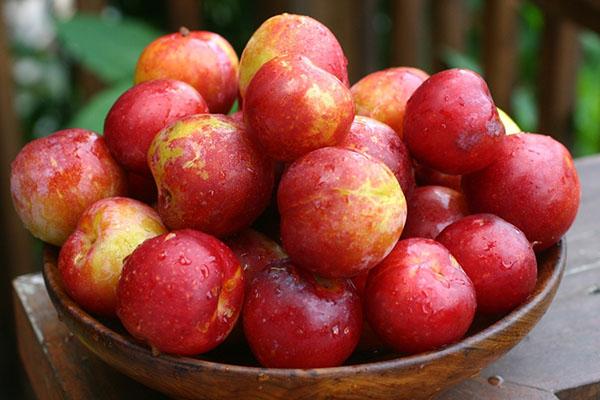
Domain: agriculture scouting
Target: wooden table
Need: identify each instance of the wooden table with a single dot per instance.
(559, 359)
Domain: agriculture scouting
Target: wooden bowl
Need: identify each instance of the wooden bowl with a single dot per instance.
(219, 375)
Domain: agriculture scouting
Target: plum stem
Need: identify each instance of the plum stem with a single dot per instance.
(184, 31)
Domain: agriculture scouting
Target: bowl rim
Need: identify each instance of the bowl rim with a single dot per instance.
(50, 257)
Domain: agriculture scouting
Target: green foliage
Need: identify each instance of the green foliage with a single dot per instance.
(91, 115)
(587, 104)
(456, 59)
(109, 47)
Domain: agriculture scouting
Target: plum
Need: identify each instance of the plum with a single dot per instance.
(237, 116)
(143, 111)
(293, 107)
(426, 176)
(383, 95)
(379, 141)
(431, 209)
(294, 319)
(451, 123)
(209, 174)
(181, 292)
(255, 251)
(294, 35)
(201, 59)
(91, 260)
(496, 256)
(55, 178)
(341, 212)
(510, 126)
(419, 298)
(142, 188)
(533, 184)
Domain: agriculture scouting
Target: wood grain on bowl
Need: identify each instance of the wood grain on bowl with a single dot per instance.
(414, 377)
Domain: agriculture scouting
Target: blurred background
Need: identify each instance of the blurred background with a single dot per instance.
(64, 62)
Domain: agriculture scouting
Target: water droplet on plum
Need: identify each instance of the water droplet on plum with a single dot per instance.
(183, 260)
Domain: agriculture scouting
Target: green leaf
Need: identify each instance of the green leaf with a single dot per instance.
(456, 59)
(524, 108)
(235, 108)
(92, 115)
(108, 47)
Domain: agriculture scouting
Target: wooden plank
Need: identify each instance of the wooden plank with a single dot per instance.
(90, 6)
(408, 18)
(58, 365)
(344, 18)
(448, 29)
(561, 353)
(186, 13)
(269, 8)
(583, 254)
(15, 242)
(500, 51)
(557, 77)
(583, 12)
(496, 390)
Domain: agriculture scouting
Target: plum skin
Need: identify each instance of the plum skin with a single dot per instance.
(210, 175)
(418, 298)
(255, 252)
(431, 209)
(379, 141)
(55, 178)
(382, 95)
(451, 123)
(143, 111)
(203, 282)
(294, 35)
(91, 260)
(293, 319)
(426, 176)
(202, 59)
(496, 256)
(322, 108)
(533, 184)
(341, 212)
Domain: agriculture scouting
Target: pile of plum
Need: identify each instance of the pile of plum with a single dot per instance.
(318, 218)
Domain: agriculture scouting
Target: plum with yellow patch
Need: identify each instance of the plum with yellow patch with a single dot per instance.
(293, 107)
(143, 111)
(294, 35)
(341, 212)
(510, 126)
(379, 141)
(209, 174)
(202, 59)
(55, 178)
(419, 298)
(181, 292)
(383, 95)
(294, 319)
(91, 260)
